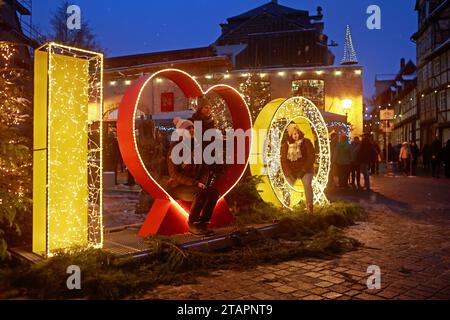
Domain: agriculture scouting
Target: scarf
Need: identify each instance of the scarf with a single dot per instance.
(294, 151)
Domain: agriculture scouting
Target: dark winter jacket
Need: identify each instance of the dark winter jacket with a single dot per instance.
(446, 154)
(303, 165)
(436, 149)
(366, 152)
(207, 123)
(354, 148)
(186, 174)
(343, 154)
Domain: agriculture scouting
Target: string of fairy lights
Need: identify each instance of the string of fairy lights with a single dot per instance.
(15, 158)
(257, 75)
(290, 111)
(86, 86)
(340, 128)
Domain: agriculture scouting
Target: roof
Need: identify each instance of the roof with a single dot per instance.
(267, 18)
(432, 16)
(156, 57)
(19, 7)
(385, 77)
(409, 77)
(192, 66)
(273, 8)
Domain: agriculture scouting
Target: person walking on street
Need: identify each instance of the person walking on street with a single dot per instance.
(355, 167)
(436, 149)
(343, 159)
(446, 158)
(375, 168)
(397, 162)
(415, 153)
(333, 168)
(405, 158)
(426, 157)
(365, 156)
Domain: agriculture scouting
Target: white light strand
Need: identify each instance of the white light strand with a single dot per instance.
(58, 100)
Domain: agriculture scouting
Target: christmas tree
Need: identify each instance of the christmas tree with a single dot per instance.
(256, 93)
(349, 57)
(15, 146)
(221, 113)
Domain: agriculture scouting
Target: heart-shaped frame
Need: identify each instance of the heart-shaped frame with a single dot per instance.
(167, 215)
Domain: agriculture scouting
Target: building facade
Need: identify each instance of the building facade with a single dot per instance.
(433, 68)
(419, 94)
(269, 52)
(398, 93)
(16, 27)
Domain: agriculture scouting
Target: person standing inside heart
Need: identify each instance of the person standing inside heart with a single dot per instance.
(204, 115)
(189, 181)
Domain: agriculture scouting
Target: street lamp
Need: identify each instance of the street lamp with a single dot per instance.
(346, 104)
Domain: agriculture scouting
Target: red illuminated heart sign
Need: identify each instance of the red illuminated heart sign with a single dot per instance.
(167, 215)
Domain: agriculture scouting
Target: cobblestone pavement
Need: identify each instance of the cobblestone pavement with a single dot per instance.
(407, 235)
(120, 207)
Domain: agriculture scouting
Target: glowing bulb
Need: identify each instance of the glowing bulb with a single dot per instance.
(347, 104)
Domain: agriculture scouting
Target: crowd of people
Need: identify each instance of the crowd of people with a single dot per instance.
(350, 160)
(407, 158)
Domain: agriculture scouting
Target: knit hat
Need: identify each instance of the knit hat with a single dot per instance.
(201, 103)
(291, 129)
(182, 123)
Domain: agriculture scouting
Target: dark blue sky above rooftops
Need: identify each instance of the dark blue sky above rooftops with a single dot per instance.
(139, 26)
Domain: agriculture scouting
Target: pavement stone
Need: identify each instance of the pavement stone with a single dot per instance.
(407, 234)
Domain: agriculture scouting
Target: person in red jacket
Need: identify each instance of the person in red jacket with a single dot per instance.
(297, 160)
(189, 182)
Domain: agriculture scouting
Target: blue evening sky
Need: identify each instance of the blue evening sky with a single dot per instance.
(139, 26)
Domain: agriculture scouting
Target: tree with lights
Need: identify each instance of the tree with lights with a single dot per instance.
(15, 147)
(221, 112)
(256, 93)
(83, 38)
(349, 57)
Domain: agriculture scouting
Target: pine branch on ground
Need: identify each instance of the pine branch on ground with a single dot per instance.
(105, 276)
